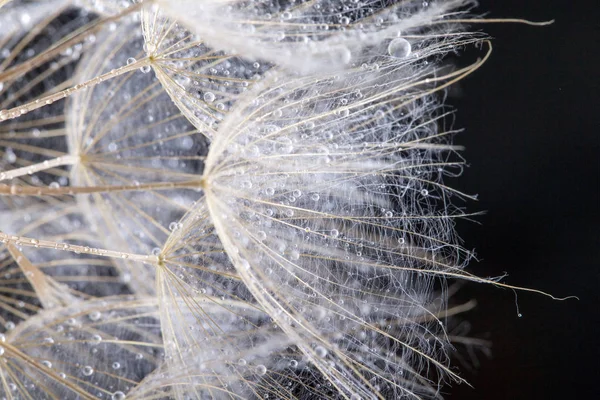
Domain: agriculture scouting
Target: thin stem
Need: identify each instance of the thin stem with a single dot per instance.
(47, 100)
(49, 244)
(17, 190)
(45, 165)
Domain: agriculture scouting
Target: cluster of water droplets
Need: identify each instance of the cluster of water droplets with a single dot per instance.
(203, 199)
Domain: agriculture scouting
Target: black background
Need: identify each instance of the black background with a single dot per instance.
(532, 117)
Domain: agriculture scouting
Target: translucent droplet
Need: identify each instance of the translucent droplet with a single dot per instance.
(131, 60)
(399, 48)
(87, 370)
(209, 97)
(294, 255)
(261, 369)
(242, 362)
(96, 339)
(321, 351)
(95, 315)
(118, 396)
(145, 69)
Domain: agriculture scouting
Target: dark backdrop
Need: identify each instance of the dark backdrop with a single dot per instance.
(531, 119)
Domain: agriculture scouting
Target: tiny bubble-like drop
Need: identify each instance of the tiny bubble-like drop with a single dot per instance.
(261, 369)
(399, 48)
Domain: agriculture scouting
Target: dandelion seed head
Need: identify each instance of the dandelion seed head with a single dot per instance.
(208, 199)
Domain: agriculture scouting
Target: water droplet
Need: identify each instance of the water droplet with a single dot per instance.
(399, 48)
(145, 69)
(209, 97)
(96, 339)
(118, 395)
(87, 370)
(321, 351)
(261, 369)
(131, 60)
(95, 315)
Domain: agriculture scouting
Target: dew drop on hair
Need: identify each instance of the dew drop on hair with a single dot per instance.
(399, 48)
